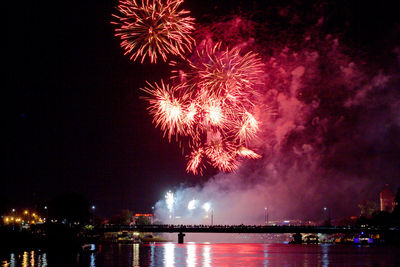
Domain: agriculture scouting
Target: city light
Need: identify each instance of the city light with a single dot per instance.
(19, 219)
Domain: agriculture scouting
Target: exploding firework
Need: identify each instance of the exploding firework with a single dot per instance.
(168, 107)
(222, 156)
(206, 206)
(169, 199)
(195, 160)
(211, 104)
(192, 204)
(153, 28)
(225, 73)
(247, 128)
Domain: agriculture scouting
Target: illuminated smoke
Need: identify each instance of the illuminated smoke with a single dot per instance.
(330, 141)
(321, 120)
(169, 199)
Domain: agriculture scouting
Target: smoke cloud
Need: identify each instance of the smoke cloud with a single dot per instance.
(330, 128)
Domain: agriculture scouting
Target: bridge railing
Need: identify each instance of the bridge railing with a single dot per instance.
(246, 228)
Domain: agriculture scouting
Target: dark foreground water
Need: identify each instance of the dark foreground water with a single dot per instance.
(201, 254)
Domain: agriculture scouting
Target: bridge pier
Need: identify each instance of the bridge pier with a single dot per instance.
(180, 238)
(297, 238)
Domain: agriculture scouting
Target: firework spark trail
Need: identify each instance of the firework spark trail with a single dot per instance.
(222, 156)
(153, 28)
(247, 128)
(247, 153)
(194, 163)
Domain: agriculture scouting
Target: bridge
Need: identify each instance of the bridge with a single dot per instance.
(260, 229)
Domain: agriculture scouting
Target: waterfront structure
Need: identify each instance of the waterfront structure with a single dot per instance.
(386, 199)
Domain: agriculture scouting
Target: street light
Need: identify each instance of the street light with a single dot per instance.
(93, 209)
(207, 207)
(13, 211)
(212, 216)
(265, 215)
(47, 213)
(152, 217)
(325, 214)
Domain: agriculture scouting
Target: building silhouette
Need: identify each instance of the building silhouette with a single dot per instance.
(386, 199)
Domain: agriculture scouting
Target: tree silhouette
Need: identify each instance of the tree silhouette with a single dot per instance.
(367, 207)
(124, 217)
(69, 208)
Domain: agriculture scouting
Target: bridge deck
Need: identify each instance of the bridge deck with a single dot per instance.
(244, 229)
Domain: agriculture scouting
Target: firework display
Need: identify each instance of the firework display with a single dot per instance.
(207, 105)
(212, 106)
(153, 28)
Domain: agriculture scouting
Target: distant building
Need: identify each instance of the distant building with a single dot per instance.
(387, 199)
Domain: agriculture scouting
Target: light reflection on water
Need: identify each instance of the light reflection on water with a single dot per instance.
(266, 258)
(135, 250)
(26, 259)
(207, 255)
(191, 255)
(169, 257)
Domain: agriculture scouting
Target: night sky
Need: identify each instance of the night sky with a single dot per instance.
(74, 120)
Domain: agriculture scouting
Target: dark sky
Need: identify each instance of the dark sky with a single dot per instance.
(73, 117)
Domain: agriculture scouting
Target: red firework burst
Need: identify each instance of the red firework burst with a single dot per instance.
(153, 28)
(212, 106)
(194, 163)
(225, 73)
(168, 107)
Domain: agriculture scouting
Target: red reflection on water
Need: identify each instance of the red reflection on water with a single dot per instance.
(207, 255)
(213, 254)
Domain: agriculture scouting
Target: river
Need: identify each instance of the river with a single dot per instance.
(209, 254)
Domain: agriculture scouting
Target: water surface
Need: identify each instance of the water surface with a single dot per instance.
(204, 254)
